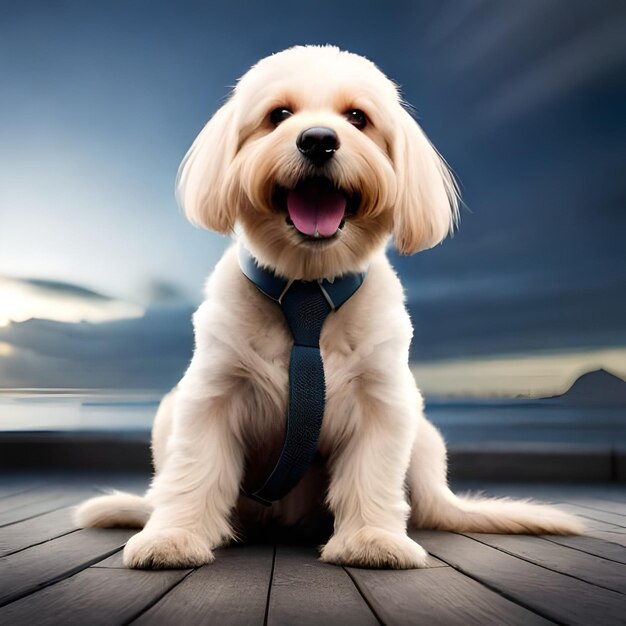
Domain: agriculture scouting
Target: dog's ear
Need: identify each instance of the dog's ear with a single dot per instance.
(427, 200)
(202, 185)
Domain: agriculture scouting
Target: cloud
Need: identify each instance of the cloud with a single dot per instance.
(150, 352)
(24, 299)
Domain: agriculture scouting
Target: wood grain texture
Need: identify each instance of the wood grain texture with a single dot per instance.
(50, 573)
(306, 591)
(559, 492)
(231, 591)
(437, 596)
(609, 536)
(33, 568)
(616, 520)
(538, 491)
(10, 489)
(94, 597)
(36, 530)
(114, 561)
(39, 501)
(592, 545)
(593, 569)
(617, 492)
(551, 594)
(605, 506)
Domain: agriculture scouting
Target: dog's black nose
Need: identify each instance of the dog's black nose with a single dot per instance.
(318, 144)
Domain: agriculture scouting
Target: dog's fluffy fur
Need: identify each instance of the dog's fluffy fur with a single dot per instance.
(228, 411)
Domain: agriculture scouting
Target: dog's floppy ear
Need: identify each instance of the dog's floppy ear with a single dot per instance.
(427, 201)
(202, 185)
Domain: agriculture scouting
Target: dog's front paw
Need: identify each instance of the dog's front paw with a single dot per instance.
(173, 548)
(374, 547)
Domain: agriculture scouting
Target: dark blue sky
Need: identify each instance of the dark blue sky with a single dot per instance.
(526, 100)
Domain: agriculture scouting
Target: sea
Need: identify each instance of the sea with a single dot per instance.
(461, 420)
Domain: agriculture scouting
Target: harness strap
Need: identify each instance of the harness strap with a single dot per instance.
(305, 305)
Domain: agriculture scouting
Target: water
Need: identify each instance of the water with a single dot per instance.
(528, 421)
(78, 410)
(460, 421)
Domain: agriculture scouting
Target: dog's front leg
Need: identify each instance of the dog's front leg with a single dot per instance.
(367, 493)
(195, 491)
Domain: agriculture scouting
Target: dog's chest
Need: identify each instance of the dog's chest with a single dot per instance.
(270, 343)
(268, 400)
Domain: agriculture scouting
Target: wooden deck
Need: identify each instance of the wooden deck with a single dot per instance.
(52, 573)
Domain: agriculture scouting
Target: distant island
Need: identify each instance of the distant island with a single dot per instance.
(594, 388)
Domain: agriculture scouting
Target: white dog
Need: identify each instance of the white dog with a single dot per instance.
(374, 175)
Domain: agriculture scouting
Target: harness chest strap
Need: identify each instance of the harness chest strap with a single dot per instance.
(305, 305)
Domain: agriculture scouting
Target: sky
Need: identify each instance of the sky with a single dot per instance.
(100, 101)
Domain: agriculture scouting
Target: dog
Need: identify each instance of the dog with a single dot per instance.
(308, 213)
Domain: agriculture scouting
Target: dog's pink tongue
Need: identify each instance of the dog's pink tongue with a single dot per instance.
(316, 212)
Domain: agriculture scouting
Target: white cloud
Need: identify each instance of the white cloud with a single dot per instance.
(21, 300)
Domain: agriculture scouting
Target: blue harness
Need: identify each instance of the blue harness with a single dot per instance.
(305, 305)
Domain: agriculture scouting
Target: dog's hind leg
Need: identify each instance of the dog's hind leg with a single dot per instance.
(433, 505)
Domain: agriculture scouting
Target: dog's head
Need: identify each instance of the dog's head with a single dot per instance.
(318, 162)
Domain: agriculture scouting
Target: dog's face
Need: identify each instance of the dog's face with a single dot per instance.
(317, 161)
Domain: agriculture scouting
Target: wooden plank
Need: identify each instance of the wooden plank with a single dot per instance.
(41, 501)
(615, 494)
(115, 561)
(551, 594)
(597, 528)
(437, 596)
(306, 591)
(94, 597)
(611, 537)
(595, 524)
(597, 504)
(434, 562)
(17, 483)
(614, 519)
(593, 569)
(36, 530)
(592, 545)
(21, 498)
(232, 590)
(10, 489)
(556, 492)
(132, 482)
(26, 571)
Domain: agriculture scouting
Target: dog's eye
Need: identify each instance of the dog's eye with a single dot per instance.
(280, 114)
(357, 118)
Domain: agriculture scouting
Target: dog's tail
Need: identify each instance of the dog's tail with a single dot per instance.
(433, 505)
(479, 514)
(115, 510)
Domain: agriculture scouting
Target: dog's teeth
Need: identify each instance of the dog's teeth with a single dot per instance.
(316, 234)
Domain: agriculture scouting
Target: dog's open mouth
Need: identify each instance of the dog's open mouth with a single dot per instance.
(316, 207)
